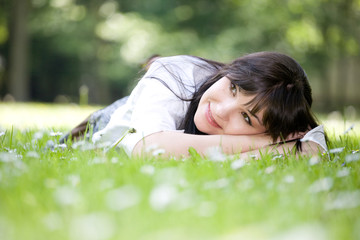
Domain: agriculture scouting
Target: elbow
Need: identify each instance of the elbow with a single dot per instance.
(138, 148)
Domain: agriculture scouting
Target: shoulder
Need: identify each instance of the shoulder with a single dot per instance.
(311, 148)
(178, 59)
(179, 63)
(185, 69)
(315, 139)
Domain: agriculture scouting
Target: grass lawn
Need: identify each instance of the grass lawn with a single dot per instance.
(52, 191)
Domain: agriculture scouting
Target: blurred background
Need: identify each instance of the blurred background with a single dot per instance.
(91, 51)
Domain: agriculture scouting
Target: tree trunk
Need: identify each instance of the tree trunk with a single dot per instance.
(18, 57)
(353, 86)
(332, 79)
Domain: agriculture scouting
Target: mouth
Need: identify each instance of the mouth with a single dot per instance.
(210, 118)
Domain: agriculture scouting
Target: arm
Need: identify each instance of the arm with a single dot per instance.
(307, 148)
(178, 143)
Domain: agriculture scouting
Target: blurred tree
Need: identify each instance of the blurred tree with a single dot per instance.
(4, 35)
(18, 52)
(329, 41)
(101, 44)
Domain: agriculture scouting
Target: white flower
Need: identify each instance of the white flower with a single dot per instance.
(163, 196)
(155, 150)
(323, 184)
(54, 134)
(96, 226)
(343, 172)
(151, 148)
(14, 160)
(114, 160)
(289, 179)
(247, 184)
(349, 129)
(344, 200)
(97, 160)
(38, 135)
(50, 145)
(314, 160)
(74, 180)
(170, 175)
(7, 157)
(183, 183)
(2, 133)
(83, 145)
(32, 154)
(185, 200)
(123, 197)
(158, 152)
(147, 169)
(238, 164)
(352, 157)
(66, 196)
(337, 150)
(270, 169)
(215, 154)
(277, 156)
(253, 156)
(61, 146)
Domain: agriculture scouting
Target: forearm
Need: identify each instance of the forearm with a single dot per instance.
(177, 143)
(307, 148)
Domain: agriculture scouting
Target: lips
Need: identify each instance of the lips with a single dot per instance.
(210, 118)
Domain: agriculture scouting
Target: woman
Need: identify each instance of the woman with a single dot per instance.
(261, 100)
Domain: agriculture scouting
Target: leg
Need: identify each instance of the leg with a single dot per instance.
(95, 122)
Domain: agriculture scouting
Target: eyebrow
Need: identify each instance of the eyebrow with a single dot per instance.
(255, 116)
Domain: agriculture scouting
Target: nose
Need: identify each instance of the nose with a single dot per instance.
(225, 108)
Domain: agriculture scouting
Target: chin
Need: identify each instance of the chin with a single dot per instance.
(206, 131)
(201, 128)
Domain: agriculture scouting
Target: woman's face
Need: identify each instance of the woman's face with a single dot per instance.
(222, 110)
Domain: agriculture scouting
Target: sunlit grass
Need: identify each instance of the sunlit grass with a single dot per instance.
(74, 191)
(41, 115)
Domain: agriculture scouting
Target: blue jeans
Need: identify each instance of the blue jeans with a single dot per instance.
(95, 122)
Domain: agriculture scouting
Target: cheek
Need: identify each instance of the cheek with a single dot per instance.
(200, 111)
(239, 127)
(236, 128)
(198, 115)
(205, 96)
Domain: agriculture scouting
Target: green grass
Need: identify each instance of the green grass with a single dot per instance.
(49, 191)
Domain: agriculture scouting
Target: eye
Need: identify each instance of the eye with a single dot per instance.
(233, 89)
(246, 118)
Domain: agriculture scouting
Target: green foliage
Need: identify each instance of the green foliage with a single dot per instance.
(102, 43)
(75, 191)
